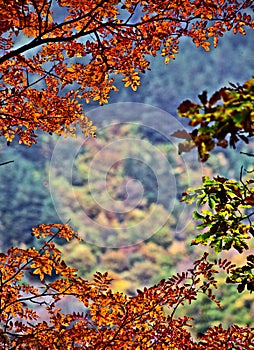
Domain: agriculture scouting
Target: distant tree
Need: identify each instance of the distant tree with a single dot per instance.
(24, 198)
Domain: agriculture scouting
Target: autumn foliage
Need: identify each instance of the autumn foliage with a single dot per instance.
(222, 120)
(54, 56)
(106, 319)
(225, 206)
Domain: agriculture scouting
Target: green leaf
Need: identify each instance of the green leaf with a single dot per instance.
(197, 216)
(211, 202)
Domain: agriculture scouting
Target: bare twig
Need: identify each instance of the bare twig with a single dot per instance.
(9, 161)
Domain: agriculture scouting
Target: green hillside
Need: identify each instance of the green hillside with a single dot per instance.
(147, 236)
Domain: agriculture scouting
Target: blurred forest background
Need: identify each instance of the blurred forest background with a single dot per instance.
(26, 200)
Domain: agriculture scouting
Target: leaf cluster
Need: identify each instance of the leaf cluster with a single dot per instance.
(63, 60)
(225, 224)
(110, 319)
(222, 120)
(224, 221)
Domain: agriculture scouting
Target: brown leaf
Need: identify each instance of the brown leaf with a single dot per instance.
(181, 134)
(185, 106)
(214, 98)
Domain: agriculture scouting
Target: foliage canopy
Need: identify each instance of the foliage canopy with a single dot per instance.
(55, 54)
(110, 319)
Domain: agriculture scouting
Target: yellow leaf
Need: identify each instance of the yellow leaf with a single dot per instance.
(167, 59)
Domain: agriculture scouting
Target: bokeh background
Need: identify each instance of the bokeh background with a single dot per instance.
(38, 189)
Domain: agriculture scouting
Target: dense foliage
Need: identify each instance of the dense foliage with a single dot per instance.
(54, 55)
(146, 320)
(228, 112)
(228, 221)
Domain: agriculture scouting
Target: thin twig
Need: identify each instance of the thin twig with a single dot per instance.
(248, 154)
(9, 161)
